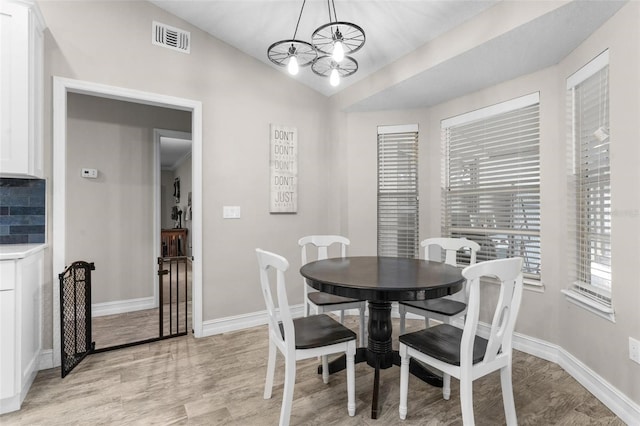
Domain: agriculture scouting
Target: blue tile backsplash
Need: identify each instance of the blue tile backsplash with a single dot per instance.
(22, 211)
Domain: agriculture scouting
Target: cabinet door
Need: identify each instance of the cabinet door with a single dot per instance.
(8, 347)
(21, 90)
(30, 298)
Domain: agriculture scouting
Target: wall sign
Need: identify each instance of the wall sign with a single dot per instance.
(284, 169)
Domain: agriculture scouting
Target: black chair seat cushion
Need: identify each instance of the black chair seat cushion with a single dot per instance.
(319, 298)
(319, 330)
(439, 306)
(442, 342)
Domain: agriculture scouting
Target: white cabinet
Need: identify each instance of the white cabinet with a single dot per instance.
(21, 89)
(21, 281)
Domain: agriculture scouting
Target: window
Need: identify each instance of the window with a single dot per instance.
(491, 181)
(398, 191)
(590, 184)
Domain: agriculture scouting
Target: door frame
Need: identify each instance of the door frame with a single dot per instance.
(61, 87)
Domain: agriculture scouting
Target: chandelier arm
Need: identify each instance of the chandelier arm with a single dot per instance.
(299, 17)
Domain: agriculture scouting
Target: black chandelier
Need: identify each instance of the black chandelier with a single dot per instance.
(328, 55)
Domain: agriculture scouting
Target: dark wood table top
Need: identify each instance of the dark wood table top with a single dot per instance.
(383, 278)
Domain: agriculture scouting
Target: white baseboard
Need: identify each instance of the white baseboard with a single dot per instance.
(240, 322)
(621, 405)
(122, 306)
(610, 396)
(45, 360)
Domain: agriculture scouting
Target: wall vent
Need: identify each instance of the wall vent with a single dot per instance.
(171, 37)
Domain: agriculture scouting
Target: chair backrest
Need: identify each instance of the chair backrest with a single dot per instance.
(266, 262)
(451, 246)
(509, 274)
(322, 243)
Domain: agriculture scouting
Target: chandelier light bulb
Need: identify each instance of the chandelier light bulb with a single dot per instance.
(292, 66)
(338, 51)
(334, 78)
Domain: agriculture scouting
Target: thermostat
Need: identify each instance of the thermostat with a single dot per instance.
(89, 173)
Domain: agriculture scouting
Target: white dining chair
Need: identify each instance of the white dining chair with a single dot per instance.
(324, 302)
(463, 354)
(443, 309)
(300, 338)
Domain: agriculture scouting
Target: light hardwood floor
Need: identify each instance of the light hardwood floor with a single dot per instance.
(219, 380)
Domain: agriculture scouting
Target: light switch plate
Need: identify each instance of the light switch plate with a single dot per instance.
(634, 350)
(231, 212)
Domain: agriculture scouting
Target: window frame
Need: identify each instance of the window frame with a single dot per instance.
(525, 223)
(589, 187)
(398, 211)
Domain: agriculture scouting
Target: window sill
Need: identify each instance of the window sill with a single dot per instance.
(590, 305)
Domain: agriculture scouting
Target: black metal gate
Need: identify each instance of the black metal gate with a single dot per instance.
(75, 315)
(173, 282)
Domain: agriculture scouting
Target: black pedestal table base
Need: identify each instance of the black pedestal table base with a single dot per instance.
(380, 355)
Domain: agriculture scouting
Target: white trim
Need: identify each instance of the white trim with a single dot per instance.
(621, 405)
(401, 128)
(589, 304)
(502, 107)
(595, 65)
(45, 360)
(62, 86)
(122, 306)
(241, 322)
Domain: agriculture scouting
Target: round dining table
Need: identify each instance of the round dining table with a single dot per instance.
(382, 280)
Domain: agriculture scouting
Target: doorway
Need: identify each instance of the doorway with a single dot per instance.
(62, 88)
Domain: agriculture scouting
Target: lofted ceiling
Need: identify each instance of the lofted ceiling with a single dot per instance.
(394, 29)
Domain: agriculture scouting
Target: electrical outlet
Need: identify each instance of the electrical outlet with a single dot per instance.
(634, 350)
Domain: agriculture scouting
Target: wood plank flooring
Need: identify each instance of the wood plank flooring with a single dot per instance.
(219, 380)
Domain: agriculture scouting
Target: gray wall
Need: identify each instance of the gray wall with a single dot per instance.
(600, 344)
(241, 96)
(110, 219)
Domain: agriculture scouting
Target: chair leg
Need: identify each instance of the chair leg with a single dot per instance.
(363, 329)
(341, 316)
(325, 368)
(403, 313)
(404, 381)
(287, 395)
(271, 369)
(351, 379)
(466, 400)
(446, 386)
(507, 395)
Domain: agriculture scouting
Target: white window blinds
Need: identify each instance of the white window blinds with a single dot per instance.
(589, 180)
(491, 181)
(398, 191)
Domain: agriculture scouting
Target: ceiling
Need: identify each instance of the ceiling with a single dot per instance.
(173, 151)
(393, 29)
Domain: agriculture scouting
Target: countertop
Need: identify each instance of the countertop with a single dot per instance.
(19, 251)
